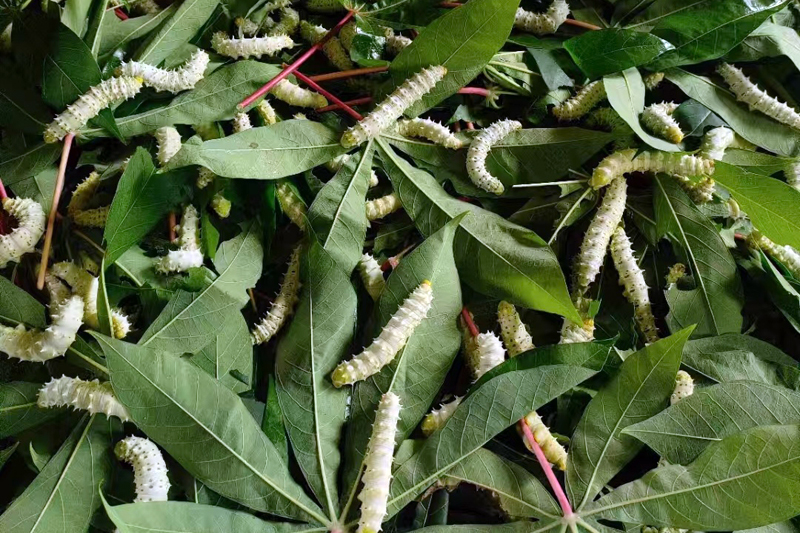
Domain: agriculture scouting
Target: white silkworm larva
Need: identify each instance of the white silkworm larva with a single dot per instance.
(22, 240)
(91, 396)
(291, 205)
(77, 210)
(188, 255)
(583, 332)
(792, 175)
(287, 24)
(631, 277)
(553, 451)
(676, 273)
(333, 48)
(715, 142)
(595, 243)
(241, 122)
(174, 81)
(149, 468)
(395, 43)
(39, 346)
(479, 151)
(283, 306)
(169, 143)
(250, 47)
(220, 205)
(247, 27)
(489, 353)
(434, 420)
(684, 387)
(515, 334)
(786, 255)
(622, 162)
(371, 275)
(82, 284)
(378, 464)
(584, 100)
(542, 23)
(390, 109)
(89, 104)
(348, 33)
(298, 96)
(430, 130)
(383, 206)
(748, 92)
(266, 112)
(390, 341)
(657, 118)
(120, 324)
(652, 80)
(204, 178)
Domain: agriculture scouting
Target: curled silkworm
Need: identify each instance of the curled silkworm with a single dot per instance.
(622, 162)
(291, 204)
(684, 387)
(180, 79)
(298, 96)
(715, 142)
(333, 48)
(582, 332)
(250, 47)
(390, 109)
(395, 43)
(377, 475)
(120, 324)
(515, 333)
(390, 341)
(584, 100)
(220, 205)
(553, 451)
(371, 275)
(434, 420)
(21, 240)
(283, 306)
(149, 468)
(658, 119)
(241, 122)
(188, 255)
(77, 209)
(748, 92)
(91, 396)
(89, 104)
(266, 112)
(430, 130)
(383, 206)
(169, 143)
(542, 23)
(82, 284)
(786, 255)
(479, 151)
(631, 277)
(39, 346)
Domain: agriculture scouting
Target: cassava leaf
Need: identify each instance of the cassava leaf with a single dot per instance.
(768, 40)
(611, 50)
(238, 263)
(190, 16)
(19, 307)
(18, 409)
(231, 351)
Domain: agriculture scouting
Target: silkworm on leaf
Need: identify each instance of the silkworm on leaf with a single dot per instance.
(169, 143)
(336, 164)
(748, 92)
(250, 47)
(608, 119)
(287, 23)
(383, 206)
(489, 353)
(542, 23)
(266, 112)
(623, 162)
(82, 284)
(348, 33)
(553, 451)
(590, 258)
(652, 80)
(657, 118)
(715, 142)
(575, 107)
(324, 6)
(332, 49)
(188, 255)
(241, 122)
(297, 96)
(39, 346)
(89, 104)
(407, 94)
(378, 460)
(792, 175)
(283, 306)
(515, 334)
(180, 79)
(785, 255)
(291, 204)
(582, 332)
(479, 151)
(395, 43)
(21, 240)
(204, 178)
(120, 324)
(430, 130)
(247, 27)
(390, 341)
(434, 420)
(676, 273)
(149, 468)
(684, 387)
(78, 209)
(371, 275)
(631, 277)
(91, 396)
(220, 205)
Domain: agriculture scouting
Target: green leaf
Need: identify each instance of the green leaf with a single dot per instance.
(317, 339)
(178, 406)
(338, 216)
(770, 204)
(611, 50)
(707, 29)
(69, 69)
(143, 199)
(238, 263)
(487, 411)
(748, 480)
(463, 40)
(493, 255)
(209, 235)
(115, 33)
(782, 293)
(272, 152)
(39, 187)
(6, 453)
(94, 35)
(176, 31)
(417, 372)
(519, 492)
(598, 449)
(103, 307)
(19, 307)
(74, 15)
(768, 40)
(231, 350)
(754, 127)
(715, 303)
(758, 162)
(18, 409)
(21, 109)
(64, 495)
(22, 162)
(625, 92)
(272, 424)
(680, 433)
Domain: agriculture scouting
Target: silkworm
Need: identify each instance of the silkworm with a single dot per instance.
(120, 324)
(631, 277)
(582, 332)
(715, 142)
(430, 130)
(652, 80)
(383, 206)
(21, 240)
(748, 92)
(348, 33)
(241, 122)
(39, 346)
(283, 306)
(181, 79)
(77, 209)
(220, 205)
(786, 255)
(188, 255)
(266, 112)
(247, 27)
(479, 151)
(249, 47)
(684, 387)
(489, 353)
(169, 143)
(287, 23)
(297, 96)
(371, 275)
(542, 23)
(395, 43)
(91, 396)
(407, 94)
(336, 164)
(792, 175)
(324, 6)
(575, 107)
(204, 178)
(390, 341)
(434, 420)
(608, 119)
(149, 468)
(553, 451)
(676, 273)
(89, 104)
(82, 284)
(657, 118)
(623, 162)
(138, 7)
(333, 48)
(515, 334)
(291, 205)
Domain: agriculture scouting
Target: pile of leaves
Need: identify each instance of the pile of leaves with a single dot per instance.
(170, 217)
